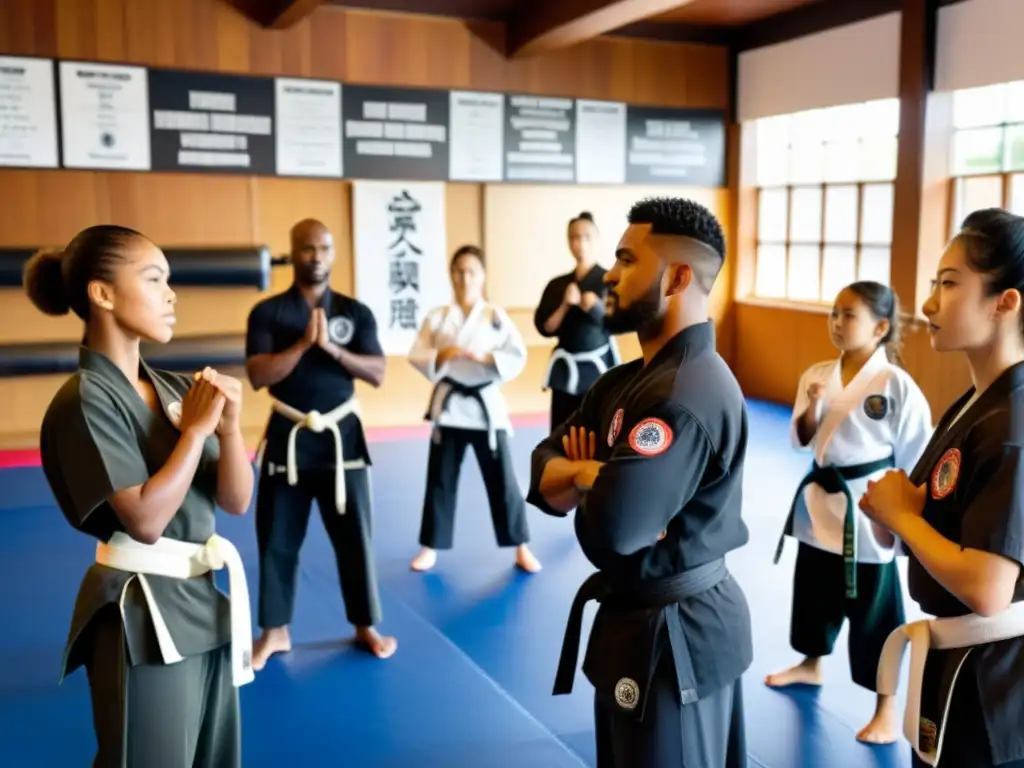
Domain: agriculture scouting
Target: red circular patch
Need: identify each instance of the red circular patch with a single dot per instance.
(650, 437)
(945, 474)
(615, 427)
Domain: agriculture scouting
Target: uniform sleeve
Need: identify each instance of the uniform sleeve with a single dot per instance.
(550, 301)
(365, 340)
(259, 336)
(799, 406)
(913, 427)
(652, 473)
(993, 519)
(90, 451)
(510, 354)
(423, 355)
(588, 415)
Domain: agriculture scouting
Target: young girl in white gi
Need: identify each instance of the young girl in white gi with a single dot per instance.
(861, 415)
(468, 349)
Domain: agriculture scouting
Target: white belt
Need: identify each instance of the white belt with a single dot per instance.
(938, 634)
(320, 422)
(572, 361)
(184, 560)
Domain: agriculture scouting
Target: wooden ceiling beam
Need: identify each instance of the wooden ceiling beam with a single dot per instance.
(276, 14)
(549, 25)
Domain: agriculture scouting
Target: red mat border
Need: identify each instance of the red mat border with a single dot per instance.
(29, 457)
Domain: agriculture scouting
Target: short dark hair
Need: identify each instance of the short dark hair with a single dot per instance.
(884, 304)
(684, 218)
(58, 281)
(467, 250)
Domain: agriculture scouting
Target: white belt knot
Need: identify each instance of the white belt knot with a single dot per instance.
(573, 359)
(314, 422)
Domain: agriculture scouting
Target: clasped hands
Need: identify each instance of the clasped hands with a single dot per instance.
(213, 404)
(892, 500)
(447, 354)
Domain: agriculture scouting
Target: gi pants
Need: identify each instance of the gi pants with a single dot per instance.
(965, 742)
(562, 406)
(282, 517)
(820, 606)
(707, 733)
(444, 465)
(182, 715)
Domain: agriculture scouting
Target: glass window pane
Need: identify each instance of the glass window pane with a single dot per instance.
(879, 118)
(772, 214)
(773, 132)
(1014, 147)
(806, 163)
(804, 265)
(805, 215)
(838, 269)
(772, 151)
(877, 161)
(841, 160)
(874, 265)
(974, 193)
(770, 281)
(978, 151)
(974, 107)
(842, 123)
(807, 128)
(1015, 102)
(1016, 203)
(876, 214)
(841, 214)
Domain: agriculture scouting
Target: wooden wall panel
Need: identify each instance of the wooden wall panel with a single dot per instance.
(190, 209)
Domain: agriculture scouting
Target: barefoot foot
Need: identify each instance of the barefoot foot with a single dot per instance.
(380, 646)
(883, 728)
(526, 560)
(425, 560)
(275, 640)
(807, 672)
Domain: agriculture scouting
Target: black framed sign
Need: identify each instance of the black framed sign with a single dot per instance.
(675, 146)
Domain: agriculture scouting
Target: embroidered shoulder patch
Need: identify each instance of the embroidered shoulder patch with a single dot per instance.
(340, 329)
(615, 427)
(945, 474)
(627, 693)
(876, 407)
(650, 437)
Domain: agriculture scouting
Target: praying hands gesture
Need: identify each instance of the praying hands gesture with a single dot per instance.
(580, 447)
(231, 390)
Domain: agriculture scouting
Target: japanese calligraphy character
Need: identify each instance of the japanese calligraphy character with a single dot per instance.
(404, 314)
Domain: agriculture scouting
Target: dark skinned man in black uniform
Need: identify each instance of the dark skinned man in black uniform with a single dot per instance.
(308, 345)
(652, 461)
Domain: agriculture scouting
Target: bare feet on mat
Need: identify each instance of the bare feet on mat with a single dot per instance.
(526, 560)
(425, 560)
(380, 646)
(807, 672)
(883, 728)
(274, 640)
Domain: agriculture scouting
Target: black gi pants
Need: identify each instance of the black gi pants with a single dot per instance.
(708, 733)
(444, 465)
(562, 406)
(282, 516)
(183, 715)
(820, 606)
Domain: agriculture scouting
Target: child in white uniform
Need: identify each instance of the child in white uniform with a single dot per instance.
(861, 415)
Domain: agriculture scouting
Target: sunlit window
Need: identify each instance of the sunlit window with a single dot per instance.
(825, 199)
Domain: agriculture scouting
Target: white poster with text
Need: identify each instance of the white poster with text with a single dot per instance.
(28, 113)
(401, 261)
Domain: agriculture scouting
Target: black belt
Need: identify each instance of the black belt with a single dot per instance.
(458, 388)
(833, 480)
(651, 594)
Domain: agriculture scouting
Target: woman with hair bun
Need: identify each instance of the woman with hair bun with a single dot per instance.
(139, 459)
(959, 516)
(571, 309)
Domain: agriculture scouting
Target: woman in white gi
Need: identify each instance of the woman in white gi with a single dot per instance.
(139, 459)
(960, 517)
(468, 349)
(861, 415)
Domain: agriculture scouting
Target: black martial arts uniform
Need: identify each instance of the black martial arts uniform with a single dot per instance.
(292, 477)
(150, 710)
(672, 636)
(584, 350)
(466, 409)
(974, 474)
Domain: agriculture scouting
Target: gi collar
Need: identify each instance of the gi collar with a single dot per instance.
(690, 341)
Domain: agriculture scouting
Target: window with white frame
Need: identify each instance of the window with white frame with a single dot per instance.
(825, 199)
(987, 155)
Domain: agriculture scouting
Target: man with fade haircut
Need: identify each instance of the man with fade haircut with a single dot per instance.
(308, 345)
(652, 462)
